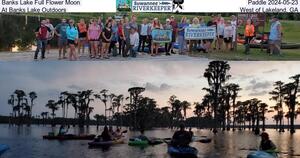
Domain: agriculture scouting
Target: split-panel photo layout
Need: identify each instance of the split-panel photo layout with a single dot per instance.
(149, 85)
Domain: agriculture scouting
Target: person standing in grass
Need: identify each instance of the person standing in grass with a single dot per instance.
(82, 28)
(193, 43)
(41, 34)
(101, 25)
(234, 29)
(155, 25)
(144, 29)
(275, 36)
(134, 42)
(112, 47)
(72, 36)
(93, 35)
(106, 39)
(220, 33)
(174, 25)
(249, 34)
(181, 30)
(209, 42)
(228, 35)
(60, 31)
(50, 34)
(168, 46)
(121, 37)
(126, 29)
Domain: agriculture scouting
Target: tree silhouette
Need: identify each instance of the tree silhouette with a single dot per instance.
(216, 75)
(278, 96)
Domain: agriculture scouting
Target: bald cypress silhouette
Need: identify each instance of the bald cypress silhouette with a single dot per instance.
(216, 75)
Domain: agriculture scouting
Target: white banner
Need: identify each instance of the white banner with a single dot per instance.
(57, 6)
(152, 6)
(200, 33)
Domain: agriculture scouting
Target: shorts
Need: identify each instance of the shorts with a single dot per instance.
(94, 42)
(275, 42)
(228, 40)
(62, 42)
(82, 35)
(220, 36)
(71, 42)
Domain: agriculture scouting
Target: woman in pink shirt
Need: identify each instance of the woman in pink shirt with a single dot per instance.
(93, 35)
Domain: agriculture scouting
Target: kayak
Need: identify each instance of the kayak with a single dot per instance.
(70, 137)
(3, 148)
(106, 143)
(136, 142)
(183, 151)
(204, 140)
(261, 154)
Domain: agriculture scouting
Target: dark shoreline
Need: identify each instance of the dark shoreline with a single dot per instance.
(74, 122)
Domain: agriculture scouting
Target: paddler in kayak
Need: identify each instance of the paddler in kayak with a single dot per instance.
(142, 136)
(117, 134)
(105, 135)
(266, 144)
(62, 130)
(181, 138)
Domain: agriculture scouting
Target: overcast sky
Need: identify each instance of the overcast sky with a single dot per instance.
(160, 78)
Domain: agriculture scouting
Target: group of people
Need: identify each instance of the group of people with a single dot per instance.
(109, 134)
(125, 37)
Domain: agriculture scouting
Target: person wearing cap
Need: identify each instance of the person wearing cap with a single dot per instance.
(181, 138)
(168, 46)
(41, 34)
(266, 144)
(174, 25)
(275, 36)
(134, 42)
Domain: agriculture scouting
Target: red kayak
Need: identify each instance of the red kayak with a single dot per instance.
(70, 137)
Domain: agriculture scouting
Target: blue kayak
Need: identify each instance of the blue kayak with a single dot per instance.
(3, 148)
(189, 152)
(261, 154)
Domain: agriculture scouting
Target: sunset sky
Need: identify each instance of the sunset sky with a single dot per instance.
(161, 79)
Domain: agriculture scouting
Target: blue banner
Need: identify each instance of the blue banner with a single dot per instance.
(161, 36)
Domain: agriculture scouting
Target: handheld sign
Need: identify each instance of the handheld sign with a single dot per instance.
(200, 33)
(161, 36)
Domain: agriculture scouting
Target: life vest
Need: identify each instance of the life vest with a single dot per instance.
(249, 31)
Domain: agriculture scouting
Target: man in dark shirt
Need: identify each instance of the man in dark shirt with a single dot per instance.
(41, 34)
(181, 138)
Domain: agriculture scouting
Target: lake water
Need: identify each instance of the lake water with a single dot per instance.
(27, 142)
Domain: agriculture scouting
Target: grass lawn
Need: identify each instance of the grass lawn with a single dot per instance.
(255, 54)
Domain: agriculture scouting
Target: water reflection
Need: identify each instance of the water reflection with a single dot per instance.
(27, 142)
